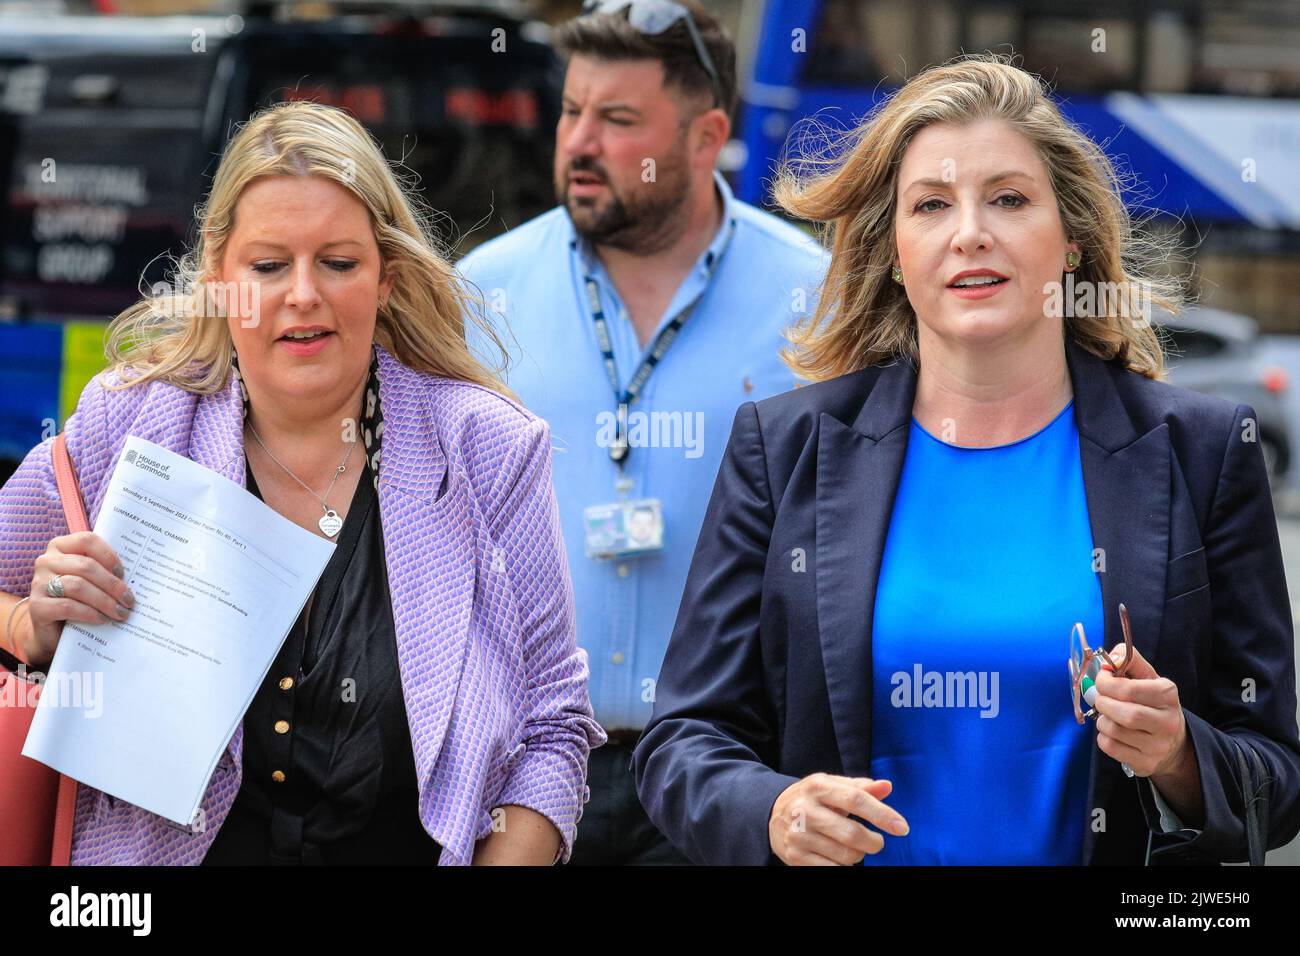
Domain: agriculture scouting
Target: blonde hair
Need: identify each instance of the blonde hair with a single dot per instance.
(170, 335)
(849, 184)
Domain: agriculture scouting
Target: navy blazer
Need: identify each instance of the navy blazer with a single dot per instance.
(768, 675)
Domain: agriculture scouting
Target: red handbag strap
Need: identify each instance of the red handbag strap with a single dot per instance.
(74, 510)
(65, 815)
(65, 476)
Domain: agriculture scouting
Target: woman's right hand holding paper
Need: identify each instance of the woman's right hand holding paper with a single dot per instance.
(94, 592)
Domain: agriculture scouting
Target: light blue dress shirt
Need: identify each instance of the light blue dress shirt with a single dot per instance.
(532, 281)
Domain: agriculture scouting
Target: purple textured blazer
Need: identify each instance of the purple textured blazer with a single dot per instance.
(494, 682)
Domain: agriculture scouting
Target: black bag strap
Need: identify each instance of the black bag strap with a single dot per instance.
(1256, 788)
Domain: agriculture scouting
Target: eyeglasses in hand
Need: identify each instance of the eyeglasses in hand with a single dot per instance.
(1086, 663)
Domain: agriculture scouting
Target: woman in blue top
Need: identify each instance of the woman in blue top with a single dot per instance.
(869, 661)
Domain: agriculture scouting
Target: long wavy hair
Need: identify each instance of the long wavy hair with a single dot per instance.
(177, 331)
(848, 183)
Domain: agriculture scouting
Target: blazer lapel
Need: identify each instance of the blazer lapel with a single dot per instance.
(1126, 476)
(217, 436)
(430, 549)
(858, 468)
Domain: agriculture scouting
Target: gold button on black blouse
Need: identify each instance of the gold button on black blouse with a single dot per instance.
(334, 731)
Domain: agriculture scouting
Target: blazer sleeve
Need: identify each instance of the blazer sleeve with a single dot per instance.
(549, 776)
(703, 763)
(1253, 647)
(31, 514)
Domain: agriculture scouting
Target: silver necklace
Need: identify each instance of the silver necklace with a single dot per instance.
(330, 522)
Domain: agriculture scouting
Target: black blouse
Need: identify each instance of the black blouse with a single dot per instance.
(328, 770)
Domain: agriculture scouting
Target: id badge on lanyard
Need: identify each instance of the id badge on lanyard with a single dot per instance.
(630, 527)
(622, 529)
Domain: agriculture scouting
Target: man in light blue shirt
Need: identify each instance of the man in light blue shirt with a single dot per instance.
(639, 314)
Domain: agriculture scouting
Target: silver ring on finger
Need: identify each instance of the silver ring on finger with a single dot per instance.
(54, 586)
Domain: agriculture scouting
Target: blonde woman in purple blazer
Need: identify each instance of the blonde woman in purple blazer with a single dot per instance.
(323, 365)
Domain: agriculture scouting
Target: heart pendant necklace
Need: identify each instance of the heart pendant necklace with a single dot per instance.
(330, 523)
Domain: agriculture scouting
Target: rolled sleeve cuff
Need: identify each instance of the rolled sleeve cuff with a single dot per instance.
(1160, 816)
(1172, 841)
(1169, 821)
(550, 780)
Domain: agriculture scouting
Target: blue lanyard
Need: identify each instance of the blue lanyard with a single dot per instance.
(663, 341)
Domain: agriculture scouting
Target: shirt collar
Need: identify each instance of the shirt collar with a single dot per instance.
(591, 263)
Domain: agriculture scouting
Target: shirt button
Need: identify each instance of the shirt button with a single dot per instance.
(277, 776)
(286, 683)
(617, 657)
(282, 726)
(623, 570)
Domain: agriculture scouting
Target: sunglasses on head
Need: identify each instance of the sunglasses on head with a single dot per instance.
(653, 17)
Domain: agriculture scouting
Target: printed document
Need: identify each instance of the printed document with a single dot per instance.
(143, 709)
